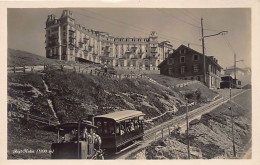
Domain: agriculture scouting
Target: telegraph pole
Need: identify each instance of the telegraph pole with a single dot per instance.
(188, 138)
(203, 48)
(232, 122)
(235, 70)
(203, 51)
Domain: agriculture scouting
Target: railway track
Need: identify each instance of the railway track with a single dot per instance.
(165, 128)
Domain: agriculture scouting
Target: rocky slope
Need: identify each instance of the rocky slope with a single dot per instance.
(211, 137)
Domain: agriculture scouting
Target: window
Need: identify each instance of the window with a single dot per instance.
(170, 61)
(182, 69)
(134, 62)
(57, 50)
(195, 68)
(64, 49)
(195, 57)
(171, 71)
(105, 127)
(182, 51)
(182, 59)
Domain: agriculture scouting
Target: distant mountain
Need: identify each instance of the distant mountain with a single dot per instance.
(22, 58)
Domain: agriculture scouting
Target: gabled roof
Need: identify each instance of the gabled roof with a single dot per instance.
(183, 46)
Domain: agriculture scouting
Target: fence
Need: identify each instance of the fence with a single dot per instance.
(92, 71)
(25, 115)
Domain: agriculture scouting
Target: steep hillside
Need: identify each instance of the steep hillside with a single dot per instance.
(211, 136)
(21, 58)
(65, 95)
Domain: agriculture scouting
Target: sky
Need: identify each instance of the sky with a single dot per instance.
(178, 25)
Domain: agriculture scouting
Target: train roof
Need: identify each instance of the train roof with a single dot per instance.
(122, 115)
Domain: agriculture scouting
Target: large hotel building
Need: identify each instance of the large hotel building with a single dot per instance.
(66, 40)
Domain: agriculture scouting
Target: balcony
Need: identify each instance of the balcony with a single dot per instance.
(72, 37)
(76, 49)
(71, 43)
(71, 47)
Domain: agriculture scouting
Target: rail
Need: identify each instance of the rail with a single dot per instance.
(165, 129)
(167, 126)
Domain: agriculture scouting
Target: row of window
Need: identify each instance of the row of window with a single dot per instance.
(193, 78)
(184, 69)
(195, 69)
(195, 57)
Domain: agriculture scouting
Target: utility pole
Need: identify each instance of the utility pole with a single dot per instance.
(188, 138)
(203, 51)
(235, 70)
(232, 122)
(203, 48)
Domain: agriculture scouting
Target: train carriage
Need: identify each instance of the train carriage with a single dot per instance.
(119, 129)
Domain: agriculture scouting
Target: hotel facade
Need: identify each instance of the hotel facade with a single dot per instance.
(66, 40)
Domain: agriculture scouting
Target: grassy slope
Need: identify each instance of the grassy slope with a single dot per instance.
(75, 96)
(88, 91)
(30, 136)
(21, 58)
(171, 82)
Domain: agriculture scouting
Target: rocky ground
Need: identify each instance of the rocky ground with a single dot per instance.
(211, 137)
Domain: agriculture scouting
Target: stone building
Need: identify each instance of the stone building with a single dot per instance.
(66, 40)
(188, 64)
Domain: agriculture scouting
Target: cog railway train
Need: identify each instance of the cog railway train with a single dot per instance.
(88, 139)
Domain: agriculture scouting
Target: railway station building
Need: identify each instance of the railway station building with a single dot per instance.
(188, 64)
(67, 40)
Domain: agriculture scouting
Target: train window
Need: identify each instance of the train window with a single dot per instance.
(111, 128)
(129, 126)
(136, 124)
(105, 127)
(117, 128)
(122, 129)
(99, 125)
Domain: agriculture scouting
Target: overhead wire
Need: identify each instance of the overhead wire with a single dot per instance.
(179, 19)
(192, 14)
(195, 20)
(139, 29)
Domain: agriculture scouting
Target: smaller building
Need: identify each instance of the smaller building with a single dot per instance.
(239, 71)
(188, 64)
(229, 82)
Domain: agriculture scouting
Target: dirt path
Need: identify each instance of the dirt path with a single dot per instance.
(48, 100)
